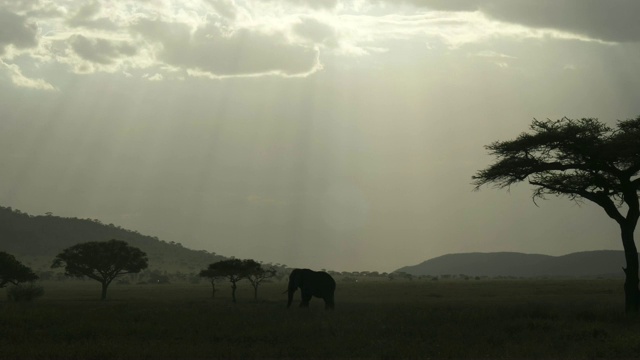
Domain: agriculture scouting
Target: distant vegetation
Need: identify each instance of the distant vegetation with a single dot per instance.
(592, 264)
(38, 239)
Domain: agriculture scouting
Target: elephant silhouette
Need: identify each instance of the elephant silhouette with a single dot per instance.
(312, 283)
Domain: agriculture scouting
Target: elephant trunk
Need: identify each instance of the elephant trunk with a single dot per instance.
(290, 299)
(294, 284)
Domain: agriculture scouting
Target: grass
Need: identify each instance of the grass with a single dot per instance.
(414, 319)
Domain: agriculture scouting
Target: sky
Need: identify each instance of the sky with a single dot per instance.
(335, 134)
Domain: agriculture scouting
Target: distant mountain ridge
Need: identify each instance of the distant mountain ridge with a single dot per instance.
(579, 264)
(36, 240)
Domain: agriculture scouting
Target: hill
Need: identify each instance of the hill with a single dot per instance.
(580, 264)
(36, 240)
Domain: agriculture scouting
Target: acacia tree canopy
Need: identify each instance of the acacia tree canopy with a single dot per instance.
(578, 158)
(102, 261)
(13, 271)
(233, 270)
(258, 275)
(581, 159)
(212, 275)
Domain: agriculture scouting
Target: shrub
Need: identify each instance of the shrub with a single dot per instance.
(24, 292)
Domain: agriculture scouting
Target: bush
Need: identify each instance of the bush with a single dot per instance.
(24, 292)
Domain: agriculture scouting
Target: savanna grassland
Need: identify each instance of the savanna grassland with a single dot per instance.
(377, 319)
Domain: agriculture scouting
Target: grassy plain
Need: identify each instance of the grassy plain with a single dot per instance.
(377, 319)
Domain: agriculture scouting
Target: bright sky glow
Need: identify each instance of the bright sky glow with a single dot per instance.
(326, 134)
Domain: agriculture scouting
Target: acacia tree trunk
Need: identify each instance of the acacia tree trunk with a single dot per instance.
(213, 289)
(255, 292)
(104, 290)
(631, 290)
(233, 291)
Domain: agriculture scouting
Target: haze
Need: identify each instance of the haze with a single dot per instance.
(323, 134)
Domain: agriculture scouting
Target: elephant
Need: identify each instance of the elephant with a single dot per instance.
(312, 283)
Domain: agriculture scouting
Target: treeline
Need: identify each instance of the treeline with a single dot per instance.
(36, 239)
(106, 261)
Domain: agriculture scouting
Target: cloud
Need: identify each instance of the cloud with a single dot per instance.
(316, 31)
(314, 4)
(20, 80)
(100, 51)
(19, 5)
(155, 77)
(16, 30)
(207, 49)
(367, 34)
(287, 38)
(493, 54)
(88, 17)
(225, 8)
(499, 59)
(612, 21)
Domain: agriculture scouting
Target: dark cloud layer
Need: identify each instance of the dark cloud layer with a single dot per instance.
(16, 30)
(241, 52)
(316, 31)
(87, 17)
(315, 4)
(100, 50)
(612, 20)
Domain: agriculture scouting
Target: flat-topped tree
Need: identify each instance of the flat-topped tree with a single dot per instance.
(13, 271)
(102, 261)
(258, 275)
(233, 270)
(580, 159)
(212, 275)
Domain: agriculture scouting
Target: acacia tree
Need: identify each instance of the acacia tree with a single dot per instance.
(257, 275)
(580, 159)
(233, 270)
(13, 271)
(212, 275)
(102, 261)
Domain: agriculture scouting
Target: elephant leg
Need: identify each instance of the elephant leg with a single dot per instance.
(328, 302)
(306, 297)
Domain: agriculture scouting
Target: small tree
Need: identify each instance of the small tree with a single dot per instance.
(257, 275)
(13, 271)
(233, 270)
(579, 159)
(212, 275)
(101, 261)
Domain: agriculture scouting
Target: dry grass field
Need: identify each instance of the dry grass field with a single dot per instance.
(377, 319)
